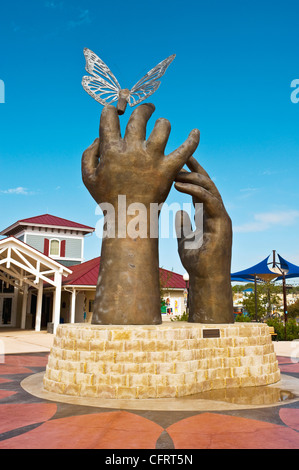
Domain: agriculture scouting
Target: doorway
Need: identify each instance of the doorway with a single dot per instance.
(7, 304)
(7, 310)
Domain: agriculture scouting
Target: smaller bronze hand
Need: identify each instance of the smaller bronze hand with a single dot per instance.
(209, 264)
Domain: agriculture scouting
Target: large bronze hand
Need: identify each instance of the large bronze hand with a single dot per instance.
(131, 165)
(128, 286)
(208, 265)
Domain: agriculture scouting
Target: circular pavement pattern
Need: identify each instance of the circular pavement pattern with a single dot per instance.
(29, 421)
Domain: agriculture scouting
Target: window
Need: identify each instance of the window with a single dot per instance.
(54, 248)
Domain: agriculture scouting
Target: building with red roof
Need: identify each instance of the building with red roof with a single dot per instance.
(58, 238)
(45, 221)
(86, 274)
(26, 293)
(78, 292)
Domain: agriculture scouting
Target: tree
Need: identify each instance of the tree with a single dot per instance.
(293, 310)
(270, 299)
(238, 288)
(249, 306)
(267, 299)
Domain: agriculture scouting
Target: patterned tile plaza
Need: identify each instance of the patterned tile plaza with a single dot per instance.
(29, 422)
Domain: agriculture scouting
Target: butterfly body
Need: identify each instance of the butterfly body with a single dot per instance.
(123, 99)
(103, 86)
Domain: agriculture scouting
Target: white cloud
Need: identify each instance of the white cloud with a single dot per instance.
(54, 5)
(269, 172)
(248, 190)
(266, 220)
(18, 190)
(83, 18)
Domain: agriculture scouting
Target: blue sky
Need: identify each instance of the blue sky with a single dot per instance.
(231, 79)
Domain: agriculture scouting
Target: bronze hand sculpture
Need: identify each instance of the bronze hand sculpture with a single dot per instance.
(208, 265)
(128, 285)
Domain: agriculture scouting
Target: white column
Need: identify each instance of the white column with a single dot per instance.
(29, 300)
(73, 305)
(39, 302)
(57, 301)
(24, 307)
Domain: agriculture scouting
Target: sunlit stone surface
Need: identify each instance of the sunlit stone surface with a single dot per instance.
(158, 361)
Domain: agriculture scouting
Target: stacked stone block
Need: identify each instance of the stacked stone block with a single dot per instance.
(163, 361)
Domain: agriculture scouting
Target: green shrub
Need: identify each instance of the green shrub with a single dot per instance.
(241, 318)
(183, 317)
(291, 332)
(292, 329)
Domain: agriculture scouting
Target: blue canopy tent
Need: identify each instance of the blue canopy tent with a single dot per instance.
(290, 270)
(287, 270)
(259, 271)
(268, 270)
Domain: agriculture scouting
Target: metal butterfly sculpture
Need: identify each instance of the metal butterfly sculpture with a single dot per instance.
(104, 87)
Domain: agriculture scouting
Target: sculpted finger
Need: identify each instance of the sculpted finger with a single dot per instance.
(177, 159)
(183, 225)
(194, 166)
(198, 179)
(211, 204)
(90, 160)
(157, 141)
(136, 127)
(109, 126)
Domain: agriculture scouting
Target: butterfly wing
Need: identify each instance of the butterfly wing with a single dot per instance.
(100, 92)
(102, 84)
(149, 83)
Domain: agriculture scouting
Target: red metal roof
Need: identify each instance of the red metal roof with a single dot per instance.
(48, 219)
(171, 280)
(86, 274)
(45, 219)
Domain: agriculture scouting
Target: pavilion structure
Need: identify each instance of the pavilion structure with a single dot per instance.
(273, 268)
(45, 280)
(22, 267)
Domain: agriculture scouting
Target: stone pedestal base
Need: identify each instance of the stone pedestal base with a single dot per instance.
(169, 360)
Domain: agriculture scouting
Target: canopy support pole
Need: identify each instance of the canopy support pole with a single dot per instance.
(255, 294)
(285, 307)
